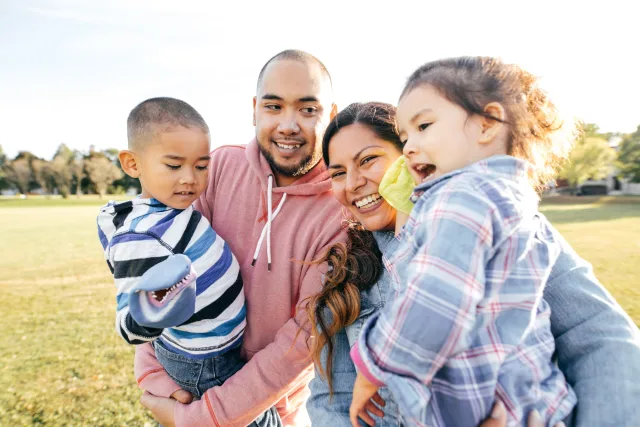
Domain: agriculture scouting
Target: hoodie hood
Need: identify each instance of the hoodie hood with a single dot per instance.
(314, 182)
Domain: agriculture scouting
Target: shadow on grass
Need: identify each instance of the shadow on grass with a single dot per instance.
(606, 212)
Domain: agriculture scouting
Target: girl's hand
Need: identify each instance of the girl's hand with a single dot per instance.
(363, 393)
(498, 418)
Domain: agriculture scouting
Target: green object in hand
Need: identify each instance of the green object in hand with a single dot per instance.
(397, 185)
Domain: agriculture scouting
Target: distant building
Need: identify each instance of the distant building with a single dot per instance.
(614, 183)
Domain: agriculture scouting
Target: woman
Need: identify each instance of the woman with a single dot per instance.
(598, 347)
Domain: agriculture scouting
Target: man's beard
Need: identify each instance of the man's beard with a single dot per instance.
(305, 165)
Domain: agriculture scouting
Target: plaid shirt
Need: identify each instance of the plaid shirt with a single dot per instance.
(467, 322)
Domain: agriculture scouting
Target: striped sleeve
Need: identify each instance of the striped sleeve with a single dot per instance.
(122, 252)
(128, 269)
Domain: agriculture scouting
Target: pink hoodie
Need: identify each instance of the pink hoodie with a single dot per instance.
(308, 222)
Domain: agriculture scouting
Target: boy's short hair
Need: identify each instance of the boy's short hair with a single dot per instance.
(160, 111)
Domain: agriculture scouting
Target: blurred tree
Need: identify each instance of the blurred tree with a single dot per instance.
(591, 158)
(629, 156)
(101, 172)
(19, 173)
(62, 169)
(77, 170)
(43, 175)
(4, 183)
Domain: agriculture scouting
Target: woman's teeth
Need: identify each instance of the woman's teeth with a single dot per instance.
(288, 146)
(368, 201)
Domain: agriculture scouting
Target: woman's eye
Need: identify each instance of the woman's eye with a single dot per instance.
(423, 126)
(202, 168)
(368, 159)
(337, 175)
(173, 167)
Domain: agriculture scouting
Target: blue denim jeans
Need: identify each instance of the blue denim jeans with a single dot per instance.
(198, 376)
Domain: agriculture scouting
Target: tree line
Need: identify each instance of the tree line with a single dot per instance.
(68, 172)
(99, 172)
(593, 157)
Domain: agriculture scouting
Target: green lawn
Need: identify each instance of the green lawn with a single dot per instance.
(61, 362)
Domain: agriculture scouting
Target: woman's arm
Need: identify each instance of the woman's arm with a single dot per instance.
(333, 410)
(597, 344)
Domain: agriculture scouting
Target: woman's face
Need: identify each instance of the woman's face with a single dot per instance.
(358, 160)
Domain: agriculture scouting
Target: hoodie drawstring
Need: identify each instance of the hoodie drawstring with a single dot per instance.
(266, 230)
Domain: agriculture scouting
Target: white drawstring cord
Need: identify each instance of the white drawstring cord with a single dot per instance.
(270, 186)
(266, 230)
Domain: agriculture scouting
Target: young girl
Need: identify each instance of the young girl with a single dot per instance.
(467, 323)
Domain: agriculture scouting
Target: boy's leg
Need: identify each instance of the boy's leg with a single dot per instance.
(218, 369)
(183, 371)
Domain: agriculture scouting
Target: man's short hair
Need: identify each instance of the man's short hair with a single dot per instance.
(161, 111)
(296, 55)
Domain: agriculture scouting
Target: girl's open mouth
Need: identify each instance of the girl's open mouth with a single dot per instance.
(424, 171)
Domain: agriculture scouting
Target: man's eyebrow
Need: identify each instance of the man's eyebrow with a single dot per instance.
(308, 99)
(272, 96)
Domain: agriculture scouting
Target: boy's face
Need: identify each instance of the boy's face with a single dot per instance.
(173, 166)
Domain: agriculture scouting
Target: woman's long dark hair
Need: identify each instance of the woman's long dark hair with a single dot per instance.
(356, 265)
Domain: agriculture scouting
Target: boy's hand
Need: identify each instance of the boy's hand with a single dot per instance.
(182, 396)
(363, 392)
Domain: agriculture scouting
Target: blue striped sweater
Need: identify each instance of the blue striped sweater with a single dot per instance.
(138, 234)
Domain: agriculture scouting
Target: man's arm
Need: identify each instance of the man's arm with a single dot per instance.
(275, 371)
(150, 374)
(597, 344)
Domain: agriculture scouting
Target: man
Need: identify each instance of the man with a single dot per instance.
(271, 201)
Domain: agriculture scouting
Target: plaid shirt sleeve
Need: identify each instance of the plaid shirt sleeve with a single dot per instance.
(441, 267)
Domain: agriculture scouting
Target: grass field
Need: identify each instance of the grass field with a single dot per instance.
(61, 362)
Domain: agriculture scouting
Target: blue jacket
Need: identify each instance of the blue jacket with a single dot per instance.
(597, 349)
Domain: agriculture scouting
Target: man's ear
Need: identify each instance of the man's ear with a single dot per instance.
(491, 127)
(255, 101)
(334, 111)
(129, 163)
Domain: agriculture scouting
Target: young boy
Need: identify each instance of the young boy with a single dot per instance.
(178, 283)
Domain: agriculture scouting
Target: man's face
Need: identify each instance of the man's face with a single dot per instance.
(291, 112)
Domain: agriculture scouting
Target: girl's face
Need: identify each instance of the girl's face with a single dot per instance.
(439, 135)
(358, 161)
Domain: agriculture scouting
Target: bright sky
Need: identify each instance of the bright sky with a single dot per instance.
(71, 70)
